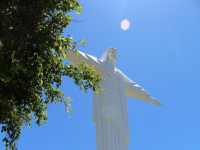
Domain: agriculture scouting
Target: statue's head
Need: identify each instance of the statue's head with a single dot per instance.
(110, 53)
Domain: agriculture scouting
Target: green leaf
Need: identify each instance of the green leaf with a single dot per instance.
(102, 91)
(83, 42)
(64, 55)
(96, 91)
(77, 55)
(41, 82)
(7, 79)
(26, 71)
(13, 55)
(12, 68)
(71, 38)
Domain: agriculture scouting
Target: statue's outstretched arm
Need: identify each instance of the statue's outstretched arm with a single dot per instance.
(134, 90)
(88, 59)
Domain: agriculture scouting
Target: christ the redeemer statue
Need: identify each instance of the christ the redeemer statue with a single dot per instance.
(110, 114)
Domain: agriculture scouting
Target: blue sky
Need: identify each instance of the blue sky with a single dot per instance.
(160, 52)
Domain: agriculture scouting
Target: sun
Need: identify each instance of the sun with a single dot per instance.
(125, 24)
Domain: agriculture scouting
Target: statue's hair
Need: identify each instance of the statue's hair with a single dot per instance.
(104, 56)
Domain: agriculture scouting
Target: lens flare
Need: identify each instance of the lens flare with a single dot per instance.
(125, 24)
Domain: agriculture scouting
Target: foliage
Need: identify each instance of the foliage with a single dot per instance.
(31, 54)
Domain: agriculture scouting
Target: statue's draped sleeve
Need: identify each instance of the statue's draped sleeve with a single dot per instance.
(88, 59)
(134, 90)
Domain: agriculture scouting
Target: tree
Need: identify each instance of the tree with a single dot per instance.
(31, 54)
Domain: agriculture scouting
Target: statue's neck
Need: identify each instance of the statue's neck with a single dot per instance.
(112, 63)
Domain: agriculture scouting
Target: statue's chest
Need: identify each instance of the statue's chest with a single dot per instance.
(111, 75)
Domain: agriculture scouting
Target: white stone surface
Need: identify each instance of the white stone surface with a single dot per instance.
(110, 114)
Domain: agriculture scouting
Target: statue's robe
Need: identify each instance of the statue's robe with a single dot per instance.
(110, 114)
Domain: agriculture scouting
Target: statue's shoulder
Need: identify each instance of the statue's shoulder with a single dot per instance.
(119, 71)
(122, 75)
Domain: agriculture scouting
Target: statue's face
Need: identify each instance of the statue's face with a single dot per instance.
(112, 54)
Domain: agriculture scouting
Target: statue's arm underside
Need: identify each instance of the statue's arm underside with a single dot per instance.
(88, 59)
(134, 90)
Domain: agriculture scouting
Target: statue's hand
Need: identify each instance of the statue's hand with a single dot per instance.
(155, 101)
